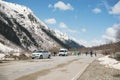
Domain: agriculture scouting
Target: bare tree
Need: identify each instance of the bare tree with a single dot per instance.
(118, 39)
(118, 34)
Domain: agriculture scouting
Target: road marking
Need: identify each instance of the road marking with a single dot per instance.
(79, 73)
(76, 76)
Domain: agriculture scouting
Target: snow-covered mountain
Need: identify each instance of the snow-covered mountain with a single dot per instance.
(66, 39)
(61, 35)
(20, 27)
(63, 39)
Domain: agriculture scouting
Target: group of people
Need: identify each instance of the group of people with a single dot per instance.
(91, 53)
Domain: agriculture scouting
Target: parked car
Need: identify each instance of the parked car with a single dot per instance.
(63, 52)
(41, 54)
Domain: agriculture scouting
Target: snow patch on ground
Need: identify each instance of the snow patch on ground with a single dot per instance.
(109, 62)
(2, 56)
(6, 49)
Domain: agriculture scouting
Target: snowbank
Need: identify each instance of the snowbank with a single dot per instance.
(6, 49)
(2, 56)
(109, 62)
(16, 54)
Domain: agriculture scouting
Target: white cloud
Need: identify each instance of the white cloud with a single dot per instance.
(73, 31)
(115, 9)
(90, 43)
(66, 29)
(84, 30)
(96, 42)
(107, 6)
(96, 10)
(109, 38)
(62, 25)
(50, 6)
(50, 21)
(110, 33)
(62, 6)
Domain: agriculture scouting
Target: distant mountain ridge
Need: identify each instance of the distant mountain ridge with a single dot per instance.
(20, 26)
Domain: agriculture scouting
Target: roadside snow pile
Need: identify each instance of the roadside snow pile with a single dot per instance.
(4, 48)
(109, 62)
(2, 56)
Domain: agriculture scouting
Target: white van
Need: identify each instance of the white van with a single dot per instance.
(63, 52)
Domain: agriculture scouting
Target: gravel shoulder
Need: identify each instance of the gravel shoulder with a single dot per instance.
(96, 71)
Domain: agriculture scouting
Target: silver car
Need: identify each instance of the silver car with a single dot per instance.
(41, 54)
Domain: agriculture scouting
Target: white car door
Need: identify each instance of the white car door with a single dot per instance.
(44, 55)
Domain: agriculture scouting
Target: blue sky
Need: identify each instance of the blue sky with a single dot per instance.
(90, 22)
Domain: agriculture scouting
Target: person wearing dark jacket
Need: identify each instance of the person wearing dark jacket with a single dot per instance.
(91, 53)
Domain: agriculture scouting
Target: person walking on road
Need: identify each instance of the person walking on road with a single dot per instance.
(86, 53)
(91, 53)
(95, 54)
(79, 53)
(55, 53)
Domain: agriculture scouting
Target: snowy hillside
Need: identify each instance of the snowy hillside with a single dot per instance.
(20, 26)
(71, 42)
(61, 35)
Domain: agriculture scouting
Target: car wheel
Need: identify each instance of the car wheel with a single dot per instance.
(32, 57)
(41, 57)
(49, 56)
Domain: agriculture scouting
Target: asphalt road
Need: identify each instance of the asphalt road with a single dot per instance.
(56, 68)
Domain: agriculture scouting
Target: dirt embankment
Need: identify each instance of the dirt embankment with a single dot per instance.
(96, 71)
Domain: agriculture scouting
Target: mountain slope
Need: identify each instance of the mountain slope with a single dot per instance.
(21, 27)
